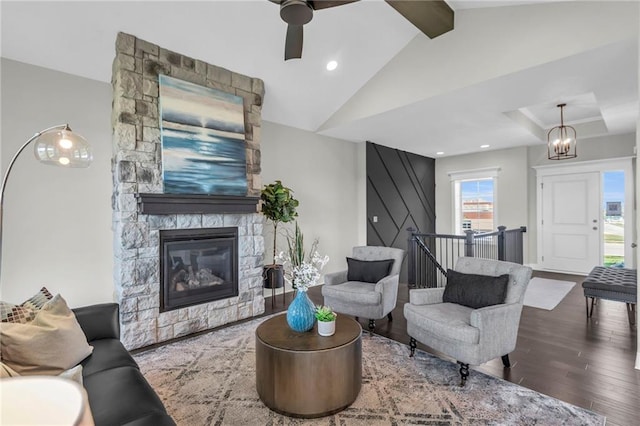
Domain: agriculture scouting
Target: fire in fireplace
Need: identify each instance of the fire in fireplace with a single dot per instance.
(197, 266)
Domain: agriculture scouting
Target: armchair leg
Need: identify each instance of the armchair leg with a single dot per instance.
(372, 325)
(390, 316)
(505, 361)
(357, 319)
(464, 373)
(412, 345)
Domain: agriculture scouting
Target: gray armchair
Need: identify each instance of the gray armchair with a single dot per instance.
(471, 336)
(364, 299)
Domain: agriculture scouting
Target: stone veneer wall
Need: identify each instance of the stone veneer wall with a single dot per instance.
(137, 168)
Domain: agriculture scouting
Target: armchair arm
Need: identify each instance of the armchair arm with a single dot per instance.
(426, 296)
(498, 325)
(334, 278)
(99, 321)
(388, 286)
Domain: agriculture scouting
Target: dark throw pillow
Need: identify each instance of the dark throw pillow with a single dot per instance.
(475, 291)
(368, 271)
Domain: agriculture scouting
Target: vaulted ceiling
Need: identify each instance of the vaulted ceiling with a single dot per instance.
(495, 79)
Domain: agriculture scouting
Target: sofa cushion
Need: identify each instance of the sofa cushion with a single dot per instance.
(107, 354)
(119, 396)
(38, 300)
(444, 319)
(51, 343)
(6, 371)
(368, 271)
(359, 293)
(475, 291)
(27, 310)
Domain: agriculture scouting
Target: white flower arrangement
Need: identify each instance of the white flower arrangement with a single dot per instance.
(301, 271)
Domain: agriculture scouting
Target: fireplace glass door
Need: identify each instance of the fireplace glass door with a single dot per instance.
(198, 266)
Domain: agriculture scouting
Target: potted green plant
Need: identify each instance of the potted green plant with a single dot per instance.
(326, 320)
(278, 206)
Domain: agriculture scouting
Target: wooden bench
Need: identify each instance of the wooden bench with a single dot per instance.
(617, 284)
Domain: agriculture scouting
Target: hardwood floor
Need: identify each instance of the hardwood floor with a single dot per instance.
(588, 363)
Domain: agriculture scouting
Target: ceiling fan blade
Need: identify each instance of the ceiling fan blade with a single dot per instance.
(433, 17)
(325, 4)
(293, 44)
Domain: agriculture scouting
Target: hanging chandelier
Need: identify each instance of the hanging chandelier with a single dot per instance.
(562, 140)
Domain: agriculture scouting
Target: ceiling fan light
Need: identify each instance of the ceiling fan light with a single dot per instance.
(332, 65)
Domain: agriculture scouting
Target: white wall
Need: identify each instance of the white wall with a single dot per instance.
(517, 181)
(325, 175)
(57, 222)
(511, 185)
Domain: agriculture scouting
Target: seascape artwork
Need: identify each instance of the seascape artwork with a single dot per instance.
(202, 130)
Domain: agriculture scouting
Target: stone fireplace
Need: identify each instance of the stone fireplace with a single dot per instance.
(171, 277)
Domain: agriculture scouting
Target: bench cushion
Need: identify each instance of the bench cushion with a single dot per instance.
(618, 280)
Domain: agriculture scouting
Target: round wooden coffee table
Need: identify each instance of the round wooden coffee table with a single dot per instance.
(305, 374)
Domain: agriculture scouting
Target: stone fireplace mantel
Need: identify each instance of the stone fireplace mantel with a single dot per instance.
(195, 204)
(142, 212)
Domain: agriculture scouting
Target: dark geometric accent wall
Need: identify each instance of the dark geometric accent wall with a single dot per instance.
(401, 193)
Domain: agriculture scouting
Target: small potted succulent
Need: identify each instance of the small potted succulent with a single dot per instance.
(326, 320)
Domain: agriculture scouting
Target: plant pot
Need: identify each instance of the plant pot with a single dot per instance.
(273, 276)
(326, 328)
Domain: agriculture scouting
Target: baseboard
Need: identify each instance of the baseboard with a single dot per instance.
(638, 361)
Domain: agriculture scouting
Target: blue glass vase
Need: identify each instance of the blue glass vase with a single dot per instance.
(301, 313)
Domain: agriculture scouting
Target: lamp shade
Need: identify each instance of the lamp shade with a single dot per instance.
(63, 147)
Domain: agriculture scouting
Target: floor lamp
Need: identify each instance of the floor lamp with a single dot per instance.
(56, 146)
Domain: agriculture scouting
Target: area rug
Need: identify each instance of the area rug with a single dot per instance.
(210, 380)
(546, 294)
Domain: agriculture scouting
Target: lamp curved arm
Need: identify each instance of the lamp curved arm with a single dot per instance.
(6, 174)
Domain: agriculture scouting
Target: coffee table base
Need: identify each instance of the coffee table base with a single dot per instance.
(309, 383)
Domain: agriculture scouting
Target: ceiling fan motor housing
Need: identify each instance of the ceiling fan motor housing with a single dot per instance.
(296, 12)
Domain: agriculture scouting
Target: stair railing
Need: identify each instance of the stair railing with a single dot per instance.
(430, 254)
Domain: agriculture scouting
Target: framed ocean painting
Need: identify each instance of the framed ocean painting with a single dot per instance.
(202, 132)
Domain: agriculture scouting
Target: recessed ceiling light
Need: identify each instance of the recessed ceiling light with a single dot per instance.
(439, 153)
(485, 146)
(332, 65)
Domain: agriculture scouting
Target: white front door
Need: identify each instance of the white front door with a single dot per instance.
(571, 222)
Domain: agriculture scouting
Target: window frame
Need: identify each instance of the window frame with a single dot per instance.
(457, 178)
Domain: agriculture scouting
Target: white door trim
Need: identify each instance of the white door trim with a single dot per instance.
(622, 163)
